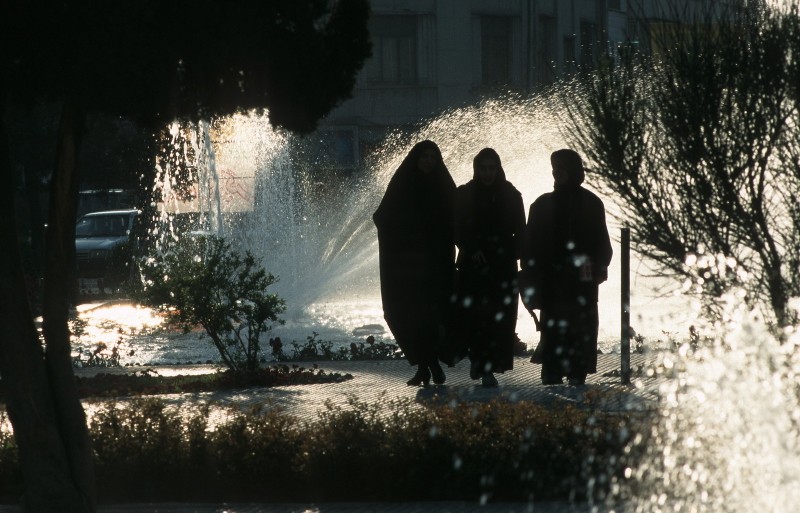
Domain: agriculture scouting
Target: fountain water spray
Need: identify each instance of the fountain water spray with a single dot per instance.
(313, 228)
(727, 435)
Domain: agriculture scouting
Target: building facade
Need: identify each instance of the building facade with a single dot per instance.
(429, 56)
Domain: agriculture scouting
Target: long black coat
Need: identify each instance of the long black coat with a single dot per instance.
(566, 254)
(417, 253)
(489, 219)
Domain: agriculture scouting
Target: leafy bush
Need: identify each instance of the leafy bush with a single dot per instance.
(99, 355)
(316, 349)
(370, 349)
(203, 281)
(375, 350)
(698, 144)
(10, 472)
(383, 451)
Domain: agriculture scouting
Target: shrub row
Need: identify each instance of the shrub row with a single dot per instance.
(391, 451)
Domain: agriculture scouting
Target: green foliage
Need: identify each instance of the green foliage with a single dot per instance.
(97, 357)
(156, 61)
(698, 142)
(10, 475)
(372, 349)
(146, 439)
(315, 349)
(383, 451)
(203, 281)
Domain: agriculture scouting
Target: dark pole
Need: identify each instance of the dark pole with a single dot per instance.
(625, 336)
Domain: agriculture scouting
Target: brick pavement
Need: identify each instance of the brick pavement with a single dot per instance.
(355, 507)
(386, 380)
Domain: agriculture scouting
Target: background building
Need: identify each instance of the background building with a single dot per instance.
(434, 55)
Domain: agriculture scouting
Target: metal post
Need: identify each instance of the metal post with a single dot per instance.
(625, 336)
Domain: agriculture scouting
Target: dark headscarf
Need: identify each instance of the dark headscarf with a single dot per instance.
(485, 211)
(410, 162)
(414, 194)
(482, 155)
(570, 162)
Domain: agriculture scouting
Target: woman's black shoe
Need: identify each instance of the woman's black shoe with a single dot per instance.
(576, 381)
(549, 378)
(438, 373)
(422, 377)
(474, 371)
(488, 380)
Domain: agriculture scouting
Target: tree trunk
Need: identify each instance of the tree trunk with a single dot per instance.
(33, 192)
(59, 292)
(47, 451)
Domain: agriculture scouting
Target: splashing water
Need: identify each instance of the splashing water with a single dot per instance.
(727, 436)
(313, 228)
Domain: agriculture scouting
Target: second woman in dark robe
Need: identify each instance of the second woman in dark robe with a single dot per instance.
(417, 253)
(490, 219)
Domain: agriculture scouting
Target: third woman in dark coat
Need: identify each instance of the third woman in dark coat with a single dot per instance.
(490, 218)
(417, 253)
(565, 258)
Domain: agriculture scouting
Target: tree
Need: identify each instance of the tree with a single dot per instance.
(202, 281)
(115, 154)
(152, 62)
(699, 142)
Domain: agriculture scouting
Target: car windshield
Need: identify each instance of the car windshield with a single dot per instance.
(102, 226)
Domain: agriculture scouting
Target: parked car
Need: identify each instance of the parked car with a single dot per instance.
(104, 248)
(95, 200)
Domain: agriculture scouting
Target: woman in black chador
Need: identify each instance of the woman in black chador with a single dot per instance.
(565, 258)
(490, 219)
(415, 241)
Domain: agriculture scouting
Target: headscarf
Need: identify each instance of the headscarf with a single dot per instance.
(488, 210)
(410, 189)
(483, 155)
(410, 161)
(570, 162)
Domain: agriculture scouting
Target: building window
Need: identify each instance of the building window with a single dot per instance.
(394, 50)
(570, 65)
(589, 42)
(495, 50)
(546, 55)
(333, 148)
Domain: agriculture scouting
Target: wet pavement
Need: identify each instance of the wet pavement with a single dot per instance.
(381, 380)
(356, 507)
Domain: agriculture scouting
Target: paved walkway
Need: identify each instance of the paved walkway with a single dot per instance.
(386, 379)
(355, 507)
(375, 380)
